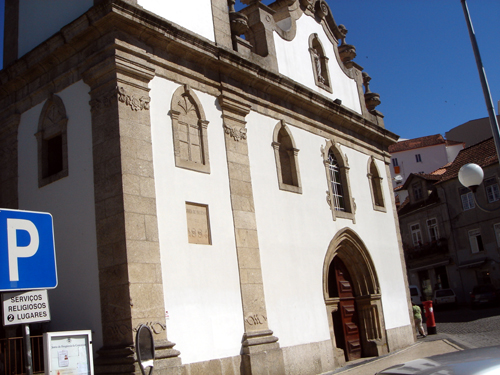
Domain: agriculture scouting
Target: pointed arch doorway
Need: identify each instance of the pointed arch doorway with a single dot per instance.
(353, 299)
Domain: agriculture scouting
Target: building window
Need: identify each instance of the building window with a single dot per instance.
(189, 127)
(52, 142)
(418, 158)
(467, 199)
(337, 172)
(476, 242)
(432, 227)
(375, 182)
(416, 234)
(286, 156)
(395, 162)
(417, 191)
(492, 190)
(319, 63)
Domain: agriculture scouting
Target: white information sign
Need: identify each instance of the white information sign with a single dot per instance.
(25, 307)
(68, 353)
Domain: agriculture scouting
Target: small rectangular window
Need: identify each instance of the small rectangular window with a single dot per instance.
(417, 191)
(476, 242)
(418, 158)
(395, 162)
(492, 189)
(433, 229)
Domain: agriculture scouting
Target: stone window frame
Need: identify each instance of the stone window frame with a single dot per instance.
(319, 61)
(53, 122)
(178, 100)
(293, 151)
(375, 182)
(343, 165)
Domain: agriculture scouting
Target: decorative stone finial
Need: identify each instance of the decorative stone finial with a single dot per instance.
(372, 99)
(344, 32)
(347, 52)
(239, 22)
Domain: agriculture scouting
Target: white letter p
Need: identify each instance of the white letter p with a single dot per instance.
(15, 252)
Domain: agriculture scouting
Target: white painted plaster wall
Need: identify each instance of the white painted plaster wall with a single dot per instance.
(194, 15)
(296, 229)
(39, 20)
(452, 151)
(75, 303)
(294, 61)
(201, 282)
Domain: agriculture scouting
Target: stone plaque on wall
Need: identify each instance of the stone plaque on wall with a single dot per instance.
(198, 223)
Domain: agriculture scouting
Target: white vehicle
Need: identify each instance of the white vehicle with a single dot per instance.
(415, 295)
(444, 297)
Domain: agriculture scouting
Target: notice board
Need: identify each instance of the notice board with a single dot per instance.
(68, 353)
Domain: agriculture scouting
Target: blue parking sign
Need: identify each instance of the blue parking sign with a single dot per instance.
(27, 252)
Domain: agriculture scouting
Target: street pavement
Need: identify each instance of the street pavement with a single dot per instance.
(457, 329)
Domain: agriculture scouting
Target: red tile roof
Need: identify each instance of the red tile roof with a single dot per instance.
(410, 144)
(483, 153)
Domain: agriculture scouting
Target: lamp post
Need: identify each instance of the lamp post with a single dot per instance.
(471, 175)
(484, 82)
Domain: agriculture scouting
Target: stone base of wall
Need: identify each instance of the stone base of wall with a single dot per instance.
(222, 366)
(310, 359)
(399, 338)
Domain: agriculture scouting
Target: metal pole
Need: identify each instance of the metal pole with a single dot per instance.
(484, 83)
(28, 365)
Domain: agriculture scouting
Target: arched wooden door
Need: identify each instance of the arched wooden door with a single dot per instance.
(347, 313)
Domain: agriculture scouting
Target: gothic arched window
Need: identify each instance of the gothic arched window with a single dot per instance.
(286, 155)
(52, 142)
(337, 172)
(375, 186)
(189, 130)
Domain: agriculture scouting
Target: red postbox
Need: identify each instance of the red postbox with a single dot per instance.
(429, 315)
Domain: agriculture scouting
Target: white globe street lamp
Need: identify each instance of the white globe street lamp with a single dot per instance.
(471, 176)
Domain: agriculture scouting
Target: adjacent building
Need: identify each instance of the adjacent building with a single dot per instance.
(219, 176)
(448, 241)
(420, 155)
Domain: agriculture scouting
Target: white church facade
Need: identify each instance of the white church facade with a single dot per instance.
(220, 176)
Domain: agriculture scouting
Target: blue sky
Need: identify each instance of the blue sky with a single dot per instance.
(419, 56)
